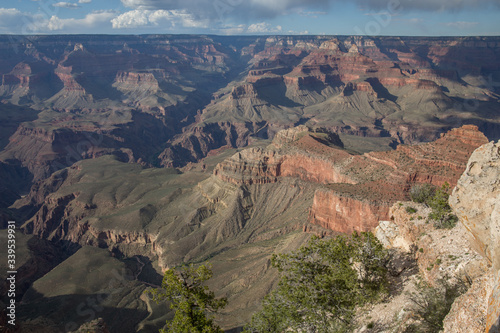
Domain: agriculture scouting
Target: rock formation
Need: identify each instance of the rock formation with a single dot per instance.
(357, 190)
(467, 252)
(476, 201)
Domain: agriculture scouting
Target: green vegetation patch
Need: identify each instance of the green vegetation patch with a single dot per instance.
(322, 283)
(437, 200)
(190, 299)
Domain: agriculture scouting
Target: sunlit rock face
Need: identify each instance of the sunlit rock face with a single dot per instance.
(476, 201)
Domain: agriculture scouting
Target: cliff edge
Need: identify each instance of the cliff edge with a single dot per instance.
(476, 201)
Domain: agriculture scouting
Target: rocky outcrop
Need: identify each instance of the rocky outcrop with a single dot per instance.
(198, 141)
(130, 81)
(289, 135)
(470, 248)
(476, 201)
(470, 312)
(258, 166)
(441, 256)
(300, 156)
(95, 326)
(390, 175)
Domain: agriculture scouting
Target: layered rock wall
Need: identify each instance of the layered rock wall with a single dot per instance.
(343, 214)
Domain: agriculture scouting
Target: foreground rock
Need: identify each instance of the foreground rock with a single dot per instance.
(476, 200)
(466, 254)
(422, 253)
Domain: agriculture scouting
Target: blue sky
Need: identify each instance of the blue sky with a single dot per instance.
(230, 17)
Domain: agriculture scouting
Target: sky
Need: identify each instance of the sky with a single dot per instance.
(252, 17)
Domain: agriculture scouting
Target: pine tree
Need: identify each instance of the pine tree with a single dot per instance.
(190, 299)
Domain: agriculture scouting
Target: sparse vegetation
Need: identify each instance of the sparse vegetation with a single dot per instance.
(411, 210)
(190, 300)
(322, 283)
(421, 193)
(432, 304)
(437, 200)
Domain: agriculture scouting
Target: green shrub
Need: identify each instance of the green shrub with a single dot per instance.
(190, 299)
(411, 210)
(322, 283)
(437, 200)
(421, 193)
(441, 210)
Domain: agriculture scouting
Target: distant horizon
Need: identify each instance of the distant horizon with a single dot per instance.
(249, 35)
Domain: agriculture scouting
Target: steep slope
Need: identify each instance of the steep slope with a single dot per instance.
(173, 218)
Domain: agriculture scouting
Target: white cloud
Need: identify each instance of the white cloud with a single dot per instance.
(461, 24)
(14, 21)
(263, 27)
(313, 14)
(84, 1)
(132, 19)
(222, 9)
(232, 29)
(90, 21)
(237, 10)
(304, 32)
(65, 5)
(153, 18)
(55, 23)
(6, 12)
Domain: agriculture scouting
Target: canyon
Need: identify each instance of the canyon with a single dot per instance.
(124, 156)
